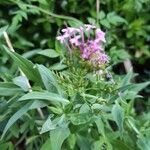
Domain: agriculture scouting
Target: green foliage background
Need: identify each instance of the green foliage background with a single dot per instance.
(115, 124)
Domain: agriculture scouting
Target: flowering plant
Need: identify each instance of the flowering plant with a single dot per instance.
(90, 46)
(78, 107)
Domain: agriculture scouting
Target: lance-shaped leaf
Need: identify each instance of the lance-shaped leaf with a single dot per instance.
(20, 113)
(57, 137)
(25, 65)
(44, 95)
(49, 80)
(118, 115)
(8, 89)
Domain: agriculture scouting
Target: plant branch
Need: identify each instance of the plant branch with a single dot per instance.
(48, 12)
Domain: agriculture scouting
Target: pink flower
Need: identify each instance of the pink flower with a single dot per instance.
(94, 45)
(100, 35)
(90, 48)
(89, 27)
(75, 40)
(85, 53)
(60, 38)
(70, 30)
(104, 58)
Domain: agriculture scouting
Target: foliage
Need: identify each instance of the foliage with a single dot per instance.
(81, 110)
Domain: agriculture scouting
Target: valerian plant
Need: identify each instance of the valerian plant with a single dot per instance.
(82, 105)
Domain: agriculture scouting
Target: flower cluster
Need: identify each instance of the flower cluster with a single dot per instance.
(90, 46)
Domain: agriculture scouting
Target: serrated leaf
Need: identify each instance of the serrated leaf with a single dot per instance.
(114, 19)
(74, 23)
(105, 23)
(91, 20)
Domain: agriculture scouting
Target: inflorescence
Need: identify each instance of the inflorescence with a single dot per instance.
(88, 40)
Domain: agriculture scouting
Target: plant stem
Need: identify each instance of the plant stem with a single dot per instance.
(128, 65)
(97, 9)
(9, 44)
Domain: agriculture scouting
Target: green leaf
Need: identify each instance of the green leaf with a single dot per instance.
(31, 53)
(101, 15)
(57, 137)
(37, 104)
(119, 55)
(83, 118)
(121, 145)
(97, 145)
(134, 87)
(58, 66)
(55, 110)
(22, 82)
(105, 23)
(126, 80)
(91, 20)
(83, 143)
(100, 126)
(71, 141)
(15, 117)
(115, 19)
(25, 65)
(46, 145)
(20, 113)
(7, 146)
(118, 115)
(44, 95)
(49, 53)
(132, 124)
(144, 143)
(31, 139)
(49, 80)
(47, 126)
(73, 23)
(9, 89)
